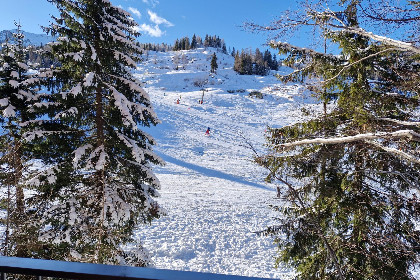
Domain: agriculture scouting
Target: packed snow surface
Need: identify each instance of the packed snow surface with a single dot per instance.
(214, 194)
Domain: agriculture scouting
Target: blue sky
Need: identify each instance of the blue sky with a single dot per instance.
(166, 20)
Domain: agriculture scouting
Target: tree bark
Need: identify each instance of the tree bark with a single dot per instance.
(18, 167)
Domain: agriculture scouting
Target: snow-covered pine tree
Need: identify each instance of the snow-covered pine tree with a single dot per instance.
(17, 95)
(246, 63)
(193, 42)
(98, 185)
(207, 41)
(352, 175)
(224, 49)
(259, 65)
(213, 63)
(242, 63)
(275, 64)
(176, 46)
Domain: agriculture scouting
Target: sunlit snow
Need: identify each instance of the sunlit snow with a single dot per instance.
(214, 194)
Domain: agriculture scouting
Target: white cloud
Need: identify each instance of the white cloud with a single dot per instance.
(153, 31)
(154, 28)
(158, 20)
(152, 3)
(134, 11)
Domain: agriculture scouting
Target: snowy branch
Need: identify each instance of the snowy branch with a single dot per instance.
(400, 122)
(349, 139)
(342, 27)
(310, 52)
(358, 61)
(388, 41)
(294, 73)
(399, 174)
(396, 152)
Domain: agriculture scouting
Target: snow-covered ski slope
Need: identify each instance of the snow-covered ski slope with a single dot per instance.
(214, 194)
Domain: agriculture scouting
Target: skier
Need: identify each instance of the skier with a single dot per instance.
(208, 131)
(177, 101)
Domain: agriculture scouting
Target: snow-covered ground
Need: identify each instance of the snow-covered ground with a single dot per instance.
(214, 193)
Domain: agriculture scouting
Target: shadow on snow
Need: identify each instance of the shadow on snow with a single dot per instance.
(210, 172)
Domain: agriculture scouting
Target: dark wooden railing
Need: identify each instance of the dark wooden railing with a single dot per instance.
(76, 271)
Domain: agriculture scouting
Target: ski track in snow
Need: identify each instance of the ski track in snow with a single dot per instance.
(215, 195)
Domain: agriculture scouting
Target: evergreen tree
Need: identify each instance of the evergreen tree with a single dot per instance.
(217, 42)
(224, 49)
(199, 41)
(183, 44)
(350, 174)
(259, 64)
(177, 46)
(246, 63)
(237, 63)
(275, 64)
(187, 43)
(193, 42)
(99, 183)
(213, 63)
(211, 41)
(17, 96)
(206, 41)
(268, 59)
(249, 64)
(196, 41)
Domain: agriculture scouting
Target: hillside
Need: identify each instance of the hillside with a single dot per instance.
(214, 194)
(30, 38)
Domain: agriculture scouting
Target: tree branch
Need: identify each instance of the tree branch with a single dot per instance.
(305, 51)
(380, 17)
(356, 62)
(349, 139)
(396, 152)
(343, 27)
(400, 122)
(403, 46)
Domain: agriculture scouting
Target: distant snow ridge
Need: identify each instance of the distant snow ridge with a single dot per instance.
(31, 39)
